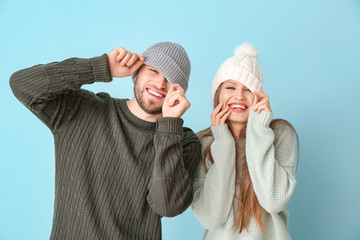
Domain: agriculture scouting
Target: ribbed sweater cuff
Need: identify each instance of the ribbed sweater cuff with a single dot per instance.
(221, 132)
(169, 124)
(102, 69)
(263, 117)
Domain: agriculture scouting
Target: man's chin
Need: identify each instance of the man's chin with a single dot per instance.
(149, 105)
(154, 110)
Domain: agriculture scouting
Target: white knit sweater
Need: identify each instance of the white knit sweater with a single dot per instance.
(271, 159)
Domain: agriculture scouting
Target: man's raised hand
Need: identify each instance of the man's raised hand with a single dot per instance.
(124, 63)
(175, 104)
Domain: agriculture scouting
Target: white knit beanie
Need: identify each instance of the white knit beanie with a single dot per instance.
(243, 67)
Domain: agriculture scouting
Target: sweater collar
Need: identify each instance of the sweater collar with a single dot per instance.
(134, 119)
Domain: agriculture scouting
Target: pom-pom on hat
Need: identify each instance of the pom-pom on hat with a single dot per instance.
(243, 67)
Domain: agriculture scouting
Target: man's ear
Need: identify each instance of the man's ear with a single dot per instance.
(137, 73)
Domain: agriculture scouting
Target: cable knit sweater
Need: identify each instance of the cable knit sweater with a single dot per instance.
(116, 174)
(271, 158)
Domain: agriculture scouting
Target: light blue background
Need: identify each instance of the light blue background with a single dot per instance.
(309, 52)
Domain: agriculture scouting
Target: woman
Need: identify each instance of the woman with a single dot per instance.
(249, 160)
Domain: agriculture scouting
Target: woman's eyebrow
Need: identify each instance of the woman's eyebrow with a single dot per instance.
(229, 83)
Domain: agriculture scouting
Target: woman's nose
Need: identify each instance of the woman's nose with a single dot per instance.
(239, 95)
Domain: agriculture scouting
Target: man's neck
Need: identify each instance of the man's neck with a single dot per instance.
(135, 109)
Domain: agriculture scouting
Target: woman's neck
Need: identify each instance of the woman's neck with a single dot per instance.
(238, 130)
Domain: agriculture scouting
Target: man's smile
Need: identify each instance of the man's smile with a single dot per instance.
(155, 93)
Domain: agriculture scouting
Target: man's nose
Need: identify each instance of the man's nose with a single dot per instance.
(161, 82)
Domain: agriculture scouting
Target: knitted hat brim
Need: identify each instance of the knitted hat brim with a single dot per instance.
(239, 74)
(166, 66)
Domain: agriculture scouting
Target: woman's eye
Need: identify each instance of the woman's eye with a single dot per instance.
(232, 88)
(248, 90)
(153, 70)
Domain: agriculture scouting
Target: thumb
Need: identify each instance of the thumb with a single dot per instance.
(255, 100)
(136, 66)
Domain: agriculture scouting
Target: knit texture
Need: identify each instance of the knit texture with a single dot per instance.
(171, 60)
(242, 67)
(116, 174)
(271, 159)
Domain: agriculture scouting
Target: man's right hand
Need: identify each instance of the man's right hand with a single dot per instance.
(124, 63)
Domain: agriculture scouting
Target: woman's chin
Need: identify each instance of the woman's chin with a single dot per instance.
(238, 118)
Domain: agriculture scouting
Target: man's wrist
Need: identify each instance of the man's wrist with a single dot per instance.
(101, 69)
(170, 124)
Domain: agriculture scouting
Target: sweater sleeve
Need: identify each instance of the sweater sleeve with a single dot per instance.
(214, 191)
(177, 154)
(51, 91)
(271, 158)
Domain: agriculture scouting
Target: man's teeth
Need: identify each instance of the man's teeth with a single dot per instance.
(155, 93)
(238, 107)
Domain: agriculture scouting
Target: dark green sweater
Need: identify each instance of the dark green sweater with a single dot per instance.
(116, 174)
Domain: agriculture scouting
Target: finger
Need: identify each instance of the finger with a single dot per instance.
(179, 97)
(260, 106)
(223, 112)
(178, 88)
(220, 115)
(257, 105)
(226, 102)
(171, 93)
(221, 120)
(120, 52)
(132, 60)
(214, 112)
(263, 99)
(136, 66)
(141, 57)
(261, 96)
(225, 117)
(217, 109)
(171, 90)
(256, 100)
(224, 105)
(174, 99)
(265, 106)
(125, 60)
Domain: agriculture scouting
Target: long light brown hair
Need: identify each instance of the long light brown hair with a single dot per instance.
(247, 202)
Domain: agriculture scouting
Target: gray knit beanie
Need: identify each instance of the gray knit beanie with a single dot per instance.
(171, 60)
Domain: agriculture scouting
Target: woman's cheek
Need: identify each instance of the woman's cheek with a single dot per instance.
(250, 99)
(225, 97)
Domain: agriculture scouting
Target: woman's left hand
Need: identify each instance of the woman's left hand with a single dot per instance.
(261, 102)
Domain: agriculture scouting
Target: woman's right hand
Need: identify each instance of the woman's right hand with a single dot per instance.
(220, 114)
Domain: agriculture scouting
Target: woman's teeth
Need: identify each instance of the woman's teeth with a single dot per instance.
(237, 106)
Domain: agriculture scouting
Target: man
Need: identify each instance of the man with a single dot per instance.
(120, 164)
